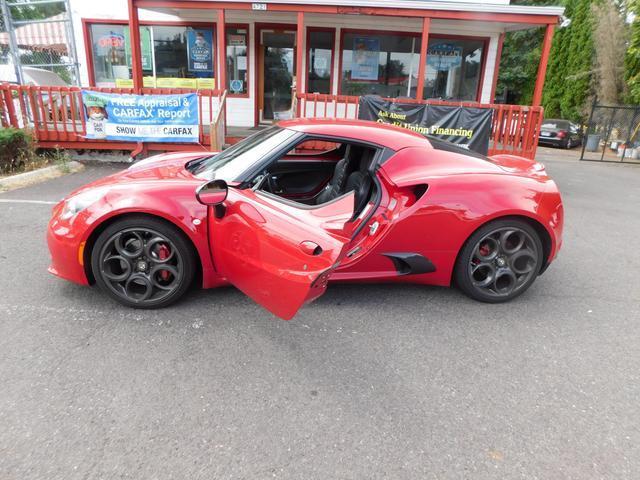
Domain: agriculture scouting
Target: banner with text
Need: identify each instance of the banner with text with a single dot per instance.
(466, 126)
(141, 118)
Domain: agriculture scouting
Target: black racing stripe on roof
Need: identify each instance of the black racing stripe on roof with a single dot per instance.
(452, 147)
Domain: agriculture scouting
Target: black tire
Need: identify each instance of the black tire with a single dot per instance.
(491, 269)
(143, 262)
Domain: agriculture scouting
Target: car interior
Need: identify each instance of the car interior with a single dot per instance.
(312, 177)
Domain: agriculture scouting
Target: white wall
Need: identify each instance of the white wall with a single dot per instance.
(241, 110)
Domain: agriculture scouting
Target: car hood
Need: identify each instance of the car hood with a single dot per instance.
(167, 167)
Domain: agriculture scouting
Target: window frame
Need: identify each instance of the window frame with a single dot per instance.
(346, 31)
(432, 36)
(245, 26)
(88, 41)
(331, 30)
(483, 58)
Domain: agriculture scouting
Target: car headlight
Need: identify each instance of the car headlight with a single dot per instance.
(77, 203)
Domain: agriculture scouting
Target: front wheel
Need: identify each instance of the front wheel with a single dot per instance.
(499, 261)
(143, 262)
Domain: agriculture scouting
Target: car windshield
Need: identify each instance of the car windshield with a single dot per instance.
(555, 124)
(232, 162)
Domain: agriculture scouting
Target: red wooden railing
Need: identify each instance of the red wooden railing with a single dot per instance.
(56, 116)
(514, 129)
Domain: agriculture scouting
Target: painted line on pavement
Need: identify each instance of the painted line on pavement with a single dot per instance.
(37, 202)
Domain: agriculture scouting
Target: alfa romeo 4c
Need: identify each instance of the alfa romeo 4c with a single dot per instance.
(308, 202)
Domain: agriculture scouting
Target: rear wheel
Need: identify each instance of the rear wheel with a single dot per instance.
(143, 262)
(499, 261)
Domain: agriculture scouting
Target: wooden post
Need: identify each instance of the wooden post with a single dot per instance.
(426, 24)
(222, 51)
(496, 68)
(136, 54)
(542, 68)
(300, 54)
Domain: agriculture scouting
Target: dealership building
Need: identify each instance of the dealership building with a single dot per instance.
(446, 50)
(252, 63)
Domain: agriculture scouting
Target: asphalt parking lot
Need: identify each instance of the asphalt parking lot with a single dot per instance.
(371, 381)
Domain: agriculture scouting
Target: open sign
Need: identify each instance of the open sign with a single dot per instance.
(113, 40)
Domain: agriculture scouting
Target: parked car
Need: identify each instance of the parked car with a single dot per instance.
(381, 203)
(560, 133)
(52, 105)
(32, 76)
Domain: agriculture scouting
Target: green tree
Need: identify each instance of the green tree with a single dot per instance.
(519, 65)
(632, 57)
(22, 10)
(520, 59)
(568, 81)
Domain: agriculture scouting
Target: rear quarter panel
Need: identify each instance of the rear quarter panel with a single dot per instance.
(454, 206)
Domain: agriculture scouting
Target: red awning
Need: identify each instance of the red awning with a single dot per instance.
(44, 35)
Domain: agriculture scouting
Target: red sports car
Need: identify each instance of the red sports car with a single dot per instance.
(306, 202)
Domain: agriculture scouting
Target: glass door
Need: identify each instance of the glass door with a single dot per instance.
(277, 56)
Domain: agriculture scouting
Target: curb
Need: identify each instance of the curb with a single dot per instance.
(38, 176)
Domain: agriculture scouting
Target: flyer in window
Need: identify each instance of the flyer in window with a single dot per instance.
(444, 56)
(200, 50)
(366, 55)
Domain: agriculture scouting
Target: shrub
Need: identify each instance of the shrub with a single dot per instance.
(16, 149)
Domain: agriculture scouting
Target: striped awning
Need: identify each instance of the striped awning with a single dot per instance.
(48, 34)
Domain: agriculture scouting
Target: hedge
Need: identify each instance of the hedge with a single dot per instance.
(16, 149)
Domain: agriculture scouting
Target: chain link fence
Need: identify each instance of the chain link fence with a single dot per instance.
(613, 134)
(36, 43)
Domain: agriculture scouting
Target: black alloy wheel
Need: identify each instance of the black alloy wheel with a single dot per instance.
(499, 261)
(143, 262)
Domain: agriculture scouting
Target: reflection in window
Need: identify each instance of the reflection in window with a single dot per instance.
(320, 61)
(109, 51)
(453, 69)
(183, 52)
(171, 56)
(381, 64)
(237, 42)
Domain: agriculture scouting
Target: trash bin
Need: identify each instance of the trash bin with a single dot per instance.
(593, 143)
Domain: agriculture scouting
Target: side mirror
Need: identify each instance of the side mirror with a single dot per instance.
(212, 193)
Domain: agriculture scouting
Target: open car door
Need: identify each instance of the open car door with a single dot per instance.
(278, 253)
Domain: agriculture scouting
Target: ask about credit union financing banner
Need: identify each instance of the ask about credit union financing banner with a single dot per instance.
(468, 127)
(141, 118)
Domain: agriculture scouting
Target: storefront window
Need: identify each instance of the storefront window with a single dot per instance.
(320, 61)
(381, 64)
(184, 57)
(453, 69)
(171, 56)
(109, 49)
(237, 48)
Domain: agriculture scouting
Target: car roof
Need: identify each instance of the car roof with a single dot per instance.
(390, 136)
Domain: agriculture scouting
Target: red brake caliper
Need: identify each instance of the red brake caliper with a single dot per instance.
(163, 254)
